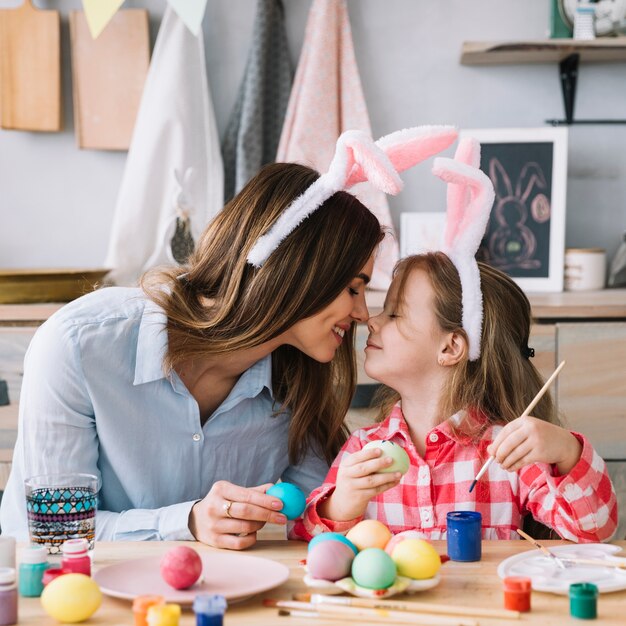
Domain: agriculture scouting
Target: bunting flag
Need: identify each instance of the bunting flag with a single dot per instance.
(191, 12)
(326, 100)
(253, 131)
(173, 179)
(99, 13)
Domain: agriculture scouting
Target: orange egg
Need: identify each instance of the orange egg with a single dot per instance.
(369, 533)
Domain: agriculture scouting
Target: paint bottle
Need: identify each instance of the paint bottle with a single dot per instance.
(76, 556)
(141, 604)
(583, 600)
(464, 535)
(8, 597)
(51, 573)
(209, 609)
(33, 564)
(163, 615)
(7, 551)
(517, 593)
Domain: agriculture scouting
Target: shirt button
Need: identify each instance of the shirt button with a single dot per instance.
(196, 437)
(434, 437)
(426, 516)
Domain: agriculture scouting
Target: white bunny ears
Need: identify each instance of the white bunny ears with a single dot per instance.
(357, 159)
(470, 198)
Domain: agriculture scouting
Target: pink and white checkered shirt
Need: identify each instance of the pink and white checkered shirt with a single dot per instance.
(580, 506)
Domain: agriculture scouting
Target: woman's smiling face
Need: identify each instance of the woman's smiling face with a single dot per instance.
(320, 335)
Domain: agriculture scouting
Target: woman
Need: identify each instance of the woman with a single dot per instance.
(189, 396)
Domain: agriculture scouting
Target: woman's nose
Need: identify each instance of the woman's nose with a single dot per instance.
(360, 312)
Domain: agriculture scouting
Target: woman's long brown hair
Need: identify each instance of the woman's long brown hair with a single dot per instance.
(219, 303)
(503, 381)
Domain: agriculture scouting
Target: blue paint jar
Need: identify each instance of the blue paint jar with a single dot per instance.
(33, 564)
(464, 535)
(209, 609)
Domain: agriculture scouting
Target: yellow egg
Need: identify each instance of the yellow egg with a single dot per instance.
(416, 558)
(369, 533)
(71, 598)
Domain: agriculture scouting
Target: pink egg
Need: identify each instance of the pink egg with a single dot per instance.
(396, 539)
(181, 567)
(329, 560)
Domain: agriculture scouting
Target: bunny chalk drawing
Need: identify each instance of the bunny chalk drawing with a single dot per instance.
(512, 245)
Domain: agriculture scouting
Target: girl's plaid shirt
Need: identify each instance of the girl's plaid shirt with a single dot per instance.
(580, 506)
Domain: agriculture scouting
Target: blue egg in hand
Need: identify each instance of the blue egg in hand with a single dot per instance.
(292, 498)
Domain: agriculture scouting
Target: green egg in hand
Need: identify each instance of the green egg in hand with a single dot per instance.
(394, 451)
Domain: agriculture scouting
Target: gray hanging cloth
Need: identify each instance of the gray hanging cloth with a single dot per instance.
(253, 132)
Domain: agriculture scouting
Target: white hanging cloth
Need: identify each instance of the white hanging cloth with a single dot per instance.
(174, 179)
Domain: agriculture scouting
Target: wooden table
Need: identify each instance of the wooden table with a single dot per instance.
(470, 584)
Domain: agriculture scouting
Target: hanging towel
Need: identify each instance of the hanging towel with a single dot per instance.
(173, 180)
(253, 131)
(326, 100)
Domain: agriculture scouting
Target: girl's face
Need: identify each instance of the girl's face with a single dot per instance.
(320, 335)
(405, 339)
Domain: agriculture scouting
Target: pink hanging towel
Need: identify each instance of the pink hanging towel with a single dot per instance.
(326, 100)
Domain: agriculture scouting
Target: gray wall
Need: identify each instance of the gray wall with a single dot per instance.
(57, 202)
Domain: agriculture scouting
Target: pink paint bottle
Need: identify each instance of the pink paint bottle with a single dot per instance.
(76, 557)
(8, 596)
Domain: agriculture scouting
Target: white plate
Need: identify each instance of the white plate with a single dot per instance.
(401, 585)
(235, 576)
(548, 576)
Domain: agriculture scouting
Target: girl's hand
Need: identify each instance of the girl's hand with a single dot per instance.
(529, 440)
(216, 522)
(358, 481)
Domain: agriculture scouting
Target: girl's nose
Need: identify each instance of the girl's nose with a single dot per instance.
(372, 323)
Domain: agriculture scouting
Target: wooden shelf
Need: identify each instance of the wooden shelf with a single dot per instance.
(543, 51)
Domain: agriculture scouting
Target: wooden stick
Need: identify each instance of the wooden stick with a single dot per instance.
(529, 408)
(383, 616)
(410, 606)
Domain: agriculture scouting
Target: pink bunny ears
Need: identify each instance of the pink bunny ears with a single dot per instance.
(357, 159)
(470, 198)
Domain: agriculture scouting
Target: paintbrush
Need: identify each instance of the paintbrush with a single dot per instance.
(545, 550)
(410, 606)
(529, 408)
(355, 613)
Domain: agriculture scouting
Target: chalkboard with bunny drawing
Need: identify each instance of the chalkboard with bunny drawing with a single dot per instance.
(517, 239)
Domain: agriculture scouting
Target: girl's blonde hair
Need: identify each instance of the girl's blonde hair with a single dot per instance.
(503, 381)
(219, 303)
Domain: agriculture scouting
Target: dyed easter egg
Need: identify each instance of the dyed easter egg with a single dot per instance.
(369, 533)
(181, 567)
(373, 568)
(396, 539)
(329, 560)
(292, 498)
(393, 451)
(416, 558)
(332, 537)
(71, 598)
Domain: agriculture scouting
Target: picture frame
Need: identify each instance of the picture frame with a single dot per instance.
(525, 236)
(421, 232)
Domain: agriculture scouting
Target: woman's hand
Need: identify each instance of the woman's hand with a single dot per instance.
(529, 440)
(229, 516)
(358, 481)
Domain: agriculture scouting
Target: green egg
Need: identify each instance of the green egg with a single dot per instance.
(373, 568)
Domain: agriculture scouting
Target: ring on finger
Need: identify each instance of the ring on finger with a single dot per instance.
(226, 506)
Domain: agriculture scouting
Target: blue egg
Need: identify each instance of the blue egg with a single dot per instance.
(333, 537)
(292, 498)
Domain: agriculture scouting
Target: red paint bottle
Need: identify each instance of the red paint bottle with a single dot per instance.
(517, 593)
(76, 558)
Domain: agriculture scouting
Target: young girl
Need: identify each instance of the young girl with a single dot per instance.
(453, 395)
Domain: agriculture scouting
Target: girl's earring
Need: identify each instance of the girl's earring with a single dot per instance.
(441, 360)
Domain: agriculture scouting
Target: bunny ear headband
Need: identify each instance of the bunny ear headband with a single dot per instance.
(357, 159)
(470, 198)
